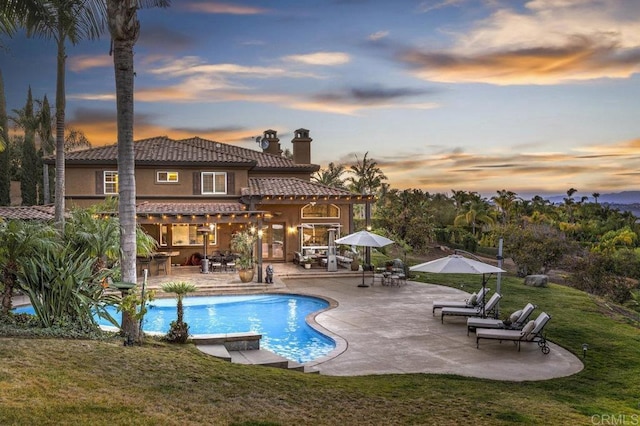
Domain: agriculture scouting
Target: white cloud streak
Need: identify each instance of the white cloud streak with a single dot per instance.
(320, 58)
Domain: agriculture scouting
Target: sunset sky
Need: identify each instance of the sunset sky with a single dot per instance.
(533, 96)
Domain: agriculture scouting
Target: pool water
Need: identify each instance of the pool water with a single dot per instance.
(279, 318)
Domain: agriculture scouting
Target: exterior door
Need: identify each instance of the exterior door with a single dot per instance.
(273, 238)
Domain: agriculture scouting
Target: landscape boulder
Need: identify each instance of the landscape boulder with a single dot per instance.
(536, 280)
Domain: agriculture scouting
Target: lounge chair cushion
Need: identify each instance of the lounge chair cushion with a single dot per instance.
(527, 329)
(514, 316)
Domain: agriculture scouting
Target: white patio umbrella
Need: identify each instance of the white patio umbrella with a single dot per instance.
(457, 264)
(364, 239)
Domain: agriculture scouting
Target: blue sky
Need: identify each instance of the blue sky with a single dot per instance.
(533, 96)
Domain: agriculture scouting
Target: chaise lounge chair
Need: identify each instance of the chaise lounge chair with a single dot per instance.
(474, 301)
(531, 332)
(478, 311)
(517, 320)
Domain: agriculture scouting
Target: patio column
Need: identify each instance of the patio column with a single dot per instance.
(260, 250)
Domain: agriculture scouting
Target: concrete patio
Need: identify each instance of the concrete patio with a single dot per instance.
(391, 330)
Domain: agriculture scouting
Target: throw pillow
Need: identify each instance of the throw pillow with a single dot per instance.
(514, 316)
(474, 300)
(527, 329)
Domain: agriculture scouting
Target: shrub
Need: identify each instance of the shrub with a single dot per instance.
(62, 288)
(598, 274)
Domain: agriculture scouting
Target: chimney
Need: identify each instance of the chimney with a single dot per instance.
(301, 147)
(271, 141)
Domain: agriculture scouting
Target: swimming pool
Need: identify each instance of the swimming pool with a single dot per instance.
(279, 318)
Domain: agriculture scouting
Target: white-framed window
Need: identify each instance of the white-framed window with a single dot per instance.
(315, 236)
(214, 182)
(187, 235)
(166, 177)
(110, 182)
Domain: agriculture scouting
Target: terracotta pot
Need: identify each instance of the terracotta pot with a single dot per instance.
(355, 265)
(246, 275)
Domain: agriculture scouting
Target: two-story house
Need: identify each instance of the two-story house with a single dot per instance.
(194, 190)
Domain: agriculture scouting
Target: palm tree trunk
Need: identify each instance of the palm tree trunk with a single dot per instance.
(60, 117)
(180, 309)
(124, 28)
(123, 58)
(9, 279)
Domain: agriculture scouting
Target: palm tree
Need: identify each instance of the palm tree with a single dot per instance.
(460, 198)
(125, 28)
(61, 20)
(179, 332)
(568, 202)
(97, 238)
(476, 213)
(505, 202)
(367, 176)
(20, 241)
(596, 195)
(331, 176)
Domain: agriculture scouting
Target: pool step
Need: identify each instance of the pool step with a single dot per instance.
(251, 357)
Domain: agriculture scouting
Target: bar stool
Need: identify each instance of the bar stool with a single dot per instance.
(144, 263)
(161, 263)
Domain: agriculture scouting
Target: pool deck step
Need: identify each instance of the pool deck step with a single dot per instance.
(218, 351)
(251, 357)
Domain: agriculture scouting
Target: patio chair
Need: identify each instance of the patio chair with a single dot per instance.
(517, 320)
(216, 263)
(473, 301)
(229, 263)
(479, 311)
(531, 332)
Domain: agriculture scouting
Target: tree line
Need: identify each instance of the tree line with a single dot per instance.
(596, 246)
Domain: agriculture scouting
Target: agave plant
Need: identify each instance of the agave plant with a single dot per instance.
(63, 288)
(20, 241)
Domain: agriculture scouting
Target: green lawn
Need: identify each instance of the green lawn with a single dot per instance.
(52, 381)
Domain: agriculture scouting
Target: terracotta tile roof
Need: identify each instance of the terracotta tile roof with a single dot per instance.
(163, 150)
(263, 160)
(291, 187)
(189, 208)
(28, 212)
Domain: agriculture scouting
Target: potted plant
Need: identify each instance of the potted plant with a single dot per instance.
(306, 262)
(242, 244)
(355, 264)
(389, 265)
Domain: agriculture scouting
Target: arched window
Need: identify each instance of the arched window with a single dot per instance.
(320, 211)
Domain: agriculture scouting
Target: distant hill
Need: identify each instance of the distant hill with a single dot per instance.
(623, 201)
(624, 197)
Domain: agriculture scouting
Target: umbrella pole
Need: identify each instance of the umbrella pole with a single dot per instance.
(363, 284)
(484, 295)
